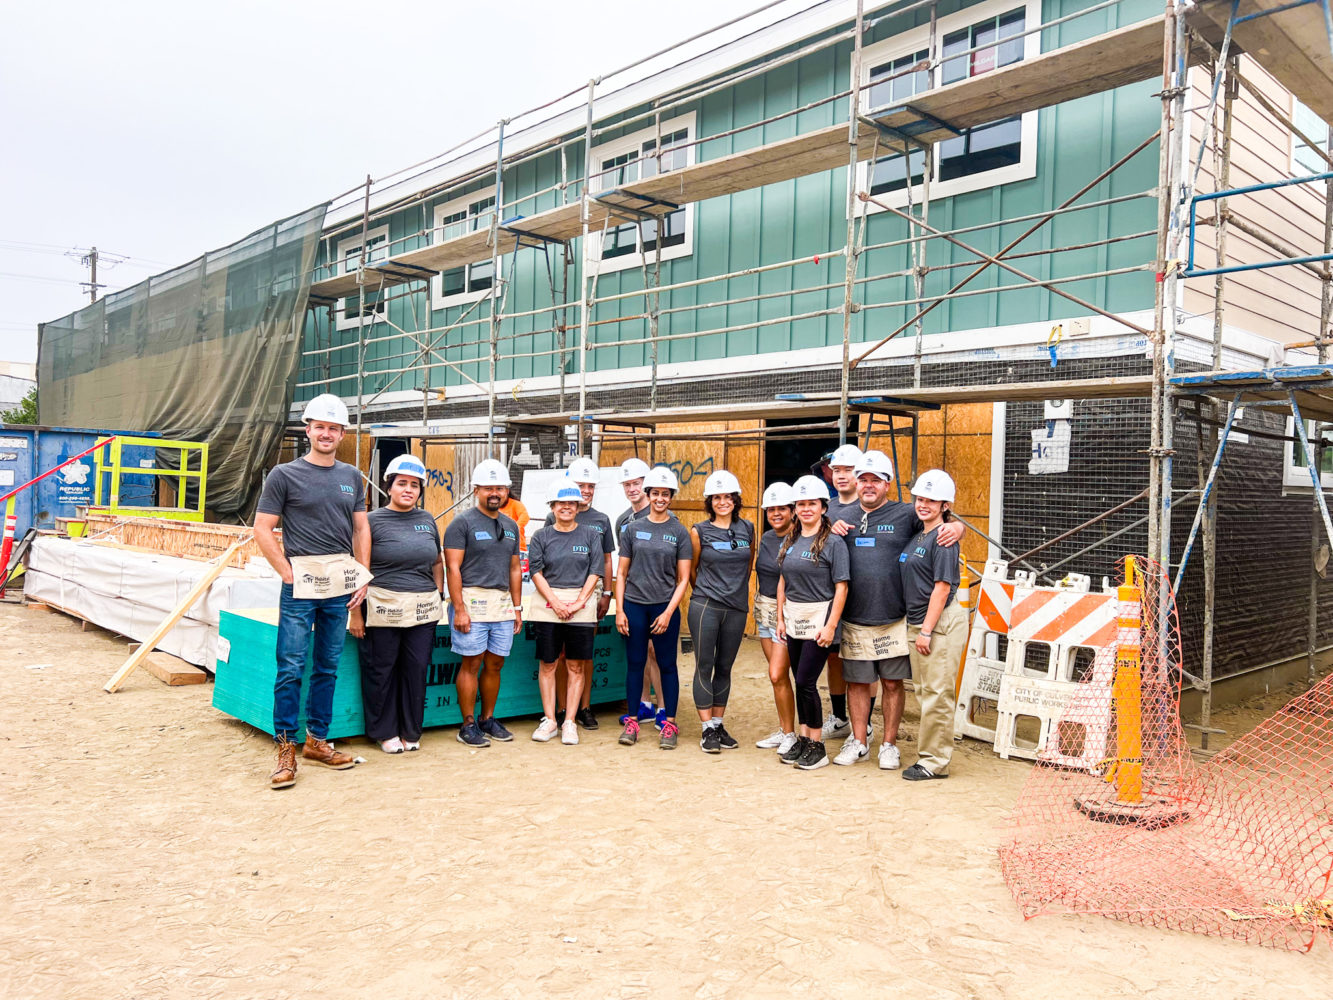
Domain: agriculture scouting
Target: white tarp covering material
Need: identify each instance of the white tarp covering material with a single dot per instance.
(132, 592)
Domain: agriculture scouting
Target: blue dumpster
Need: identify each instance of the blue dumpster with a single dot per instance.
(27, 451)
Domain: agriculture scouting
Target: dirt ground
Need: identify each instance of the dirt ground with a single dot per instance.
(145, 857)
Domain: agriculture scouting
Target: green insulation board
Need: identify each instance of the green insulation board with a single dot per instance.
(247, 667)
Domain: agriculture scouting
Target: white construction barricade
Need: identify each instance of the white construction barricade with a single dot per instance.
(1030, 648)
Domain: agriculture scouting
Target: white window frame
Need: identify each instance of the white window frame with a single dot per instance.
(438, 300)
(630, 144)
(1296, 478)
(1299, 111)
(919, 38)
(345, 265)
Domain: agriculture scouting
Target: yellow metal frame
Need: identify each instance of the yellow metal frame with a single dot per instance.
(109, 466)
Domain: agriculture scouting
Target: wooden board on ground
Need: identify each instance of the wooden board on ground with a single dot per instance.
(171, 670)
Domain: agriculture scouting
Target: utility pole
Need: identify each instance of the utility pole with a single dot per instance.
(90, 261)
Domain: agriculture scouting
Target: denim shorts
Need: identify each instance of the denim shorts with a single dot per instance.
(484, 637)
(767, 633)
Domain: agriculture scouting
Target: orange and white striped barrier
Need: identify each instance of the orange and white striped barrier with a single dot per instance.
(1030, 649)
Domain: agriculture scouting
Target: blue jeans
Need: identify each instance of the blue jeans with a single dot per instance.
(641, 618)
(296, 616)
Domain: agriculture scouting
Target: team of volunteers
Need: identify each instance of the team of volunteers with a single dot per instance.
(855, 583)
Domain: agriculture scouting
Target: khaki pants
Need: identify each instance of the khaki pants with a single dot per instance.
(934, 676)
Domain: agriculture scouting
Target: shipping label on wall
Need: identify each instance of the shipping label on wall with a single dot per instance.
(8, 442)
(1050, 449)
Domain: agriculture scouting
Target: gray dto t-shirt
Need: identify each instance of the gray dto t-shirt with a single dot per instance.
(766, 563)
(923, 564)
(488, 543)
(724, 570)
(875, 593)
(316, 504)
(566, 558)
(810, 578)
(628, 515)
(596, 520)
(653, 550)
(404, 545)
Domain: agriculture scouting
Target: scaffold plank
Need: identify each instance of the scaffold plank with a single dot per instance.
(1125, 55)
(1293, 45)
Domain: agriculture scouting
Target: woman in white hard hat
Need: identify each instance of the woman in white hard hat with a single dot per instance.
(722, 549)
(811, 592)
(632, 471)
(778, 510)
(584, 475)
(402, 607)
(936, 625)
(566, 561)
(651, 577)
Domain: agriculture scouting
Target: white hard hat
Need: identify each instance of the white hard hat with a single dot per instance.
(489, 472)
(327, 408)
(847, 454)
(406, 465)
(633, 468)
(777, 495)
(875, 462)
(583, 470)
(721, 482)
(809, 488)
(935, 484)
(563, 490)
(661, 477)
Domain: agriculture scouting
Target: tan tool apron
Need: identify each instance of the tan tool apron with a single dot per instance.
(766, 612)
(536, 609)
(486, 605)
(327, 576)
(874, 642)
(803, 621)
(399, 609)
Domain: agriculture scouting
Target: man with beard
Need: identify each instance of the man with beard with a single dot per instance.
(485, 580)
(877, 531)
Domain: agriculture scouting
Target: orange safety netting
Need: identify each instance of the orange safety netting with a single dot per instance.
(1238, 846)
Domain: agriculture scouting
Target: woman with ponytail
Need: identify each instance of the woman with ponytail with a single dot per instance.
(812, 589)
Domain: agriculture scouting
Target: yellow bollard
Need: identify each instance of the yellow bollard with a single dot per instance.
(1127, 689)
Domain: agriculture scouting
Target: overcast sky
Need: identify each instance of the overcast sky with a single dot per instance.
(160, 130)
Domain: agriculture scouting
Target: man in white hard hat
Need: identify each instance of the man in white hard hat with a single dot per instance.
(877, 531)
(485, 579)
(632, 471)
(323, 559)
(583, 472)
(841, 473)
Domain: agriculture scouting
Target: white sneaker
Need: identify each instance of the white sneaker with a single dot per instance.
(410, 745)
(772, 741)
(834, 728)
(788, 741)
(870, 734)
(394, 745)
(569, 733)
(852, 751)
(889, 758)
(544, 732)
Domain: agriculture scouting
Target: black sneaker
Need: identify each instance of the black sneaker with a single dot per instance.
(725, 738)
(559, 716)
(709, 741)
(796, 751)
(471, 735)
(585, 718)
(814, 756)
(492, 728)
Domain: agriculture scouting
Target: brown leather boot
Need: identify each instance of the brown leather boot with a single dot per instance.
(322, 752)
(285, 775)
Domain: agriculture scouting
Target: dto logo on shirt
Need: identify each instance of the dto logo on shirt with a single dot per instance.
(347, 489)
(579, 549)
(669, 539)
(421, 527)
(809, 556)
(884, 527)
(920, 550)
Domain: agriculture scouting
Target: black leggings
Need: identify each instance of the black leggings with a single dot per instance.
(807, 659)
(717, 631)
(393, 680)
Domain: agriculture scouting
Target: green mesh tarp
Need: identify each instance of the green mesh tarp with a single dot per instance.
(205, 352)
